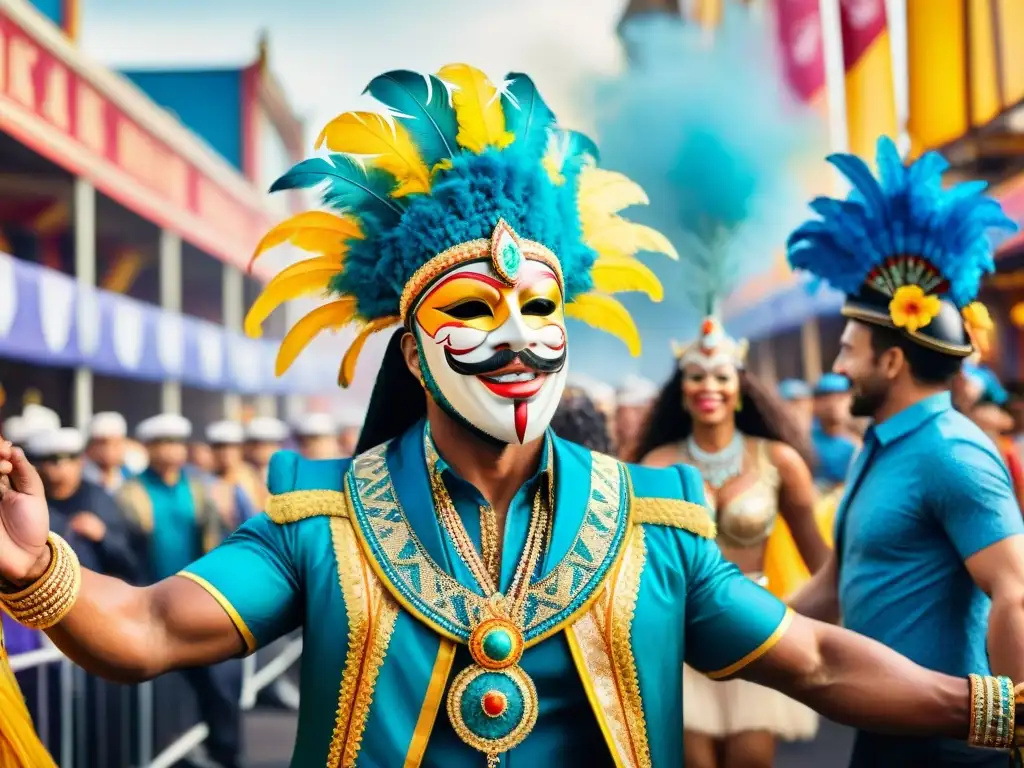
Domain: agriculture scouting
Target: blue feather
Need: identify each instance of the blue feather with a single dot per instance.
(679, 122)
(526, 114)
(423, 105)
(347, 185)
(905, 212)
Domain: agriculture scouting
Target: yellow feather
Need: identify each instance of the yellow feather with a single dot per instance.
(389, 146)
(302, 279)
(347, 371)
(608, 315)
(616, 274)
(315, 231)
(329, 316)
(477, 108)
(604, 191)
(617, 236)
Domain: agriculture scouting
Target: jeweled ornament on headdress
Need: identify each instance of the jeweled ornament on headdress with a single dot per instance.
(455, 170)
(713, 348)
(908, 253)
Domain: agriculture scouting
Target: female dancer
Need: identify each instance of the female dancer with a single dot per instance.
(717, 416)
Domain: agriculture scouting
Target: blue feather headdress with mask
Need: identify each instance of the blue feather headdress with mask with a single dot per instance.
(708, 129)
(907, 253)
(455, 169)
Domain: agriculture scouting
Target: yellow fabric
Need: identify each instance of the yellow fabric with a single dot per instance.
(784, 569)
(825, 512)
(870, 99)
(20, 747)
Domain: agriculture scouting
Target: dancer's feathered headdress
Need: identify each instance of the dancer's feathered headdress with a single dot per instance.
(456, 170)
(907, 253)
(705, 127)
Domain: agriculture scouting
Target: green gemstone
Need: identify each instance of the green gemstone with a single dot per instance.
(497, 645)
(510, 258)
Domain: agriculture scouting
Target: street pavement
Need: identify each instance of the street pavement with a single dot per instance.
(270, 735)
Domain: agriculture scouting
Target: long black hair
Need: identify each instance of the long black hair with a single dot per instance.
(763, 414)
(398, 401)
(578, 420)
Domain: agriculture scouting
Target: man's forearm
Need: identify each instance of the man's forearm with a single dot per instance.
(130, 634)
(818, 600)
(1006, 636)
(856, 681)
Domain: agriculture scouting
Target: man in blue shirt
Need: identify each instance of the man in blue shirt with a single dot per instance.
(834, 443)
(929, 556)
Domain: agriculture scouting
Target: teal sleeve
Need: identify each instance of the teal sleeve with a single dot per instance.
(730, 620)
(255, 578)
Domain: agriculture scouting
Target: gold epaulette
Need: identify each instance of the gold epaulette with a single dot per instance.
(294, 506)
(676, 513)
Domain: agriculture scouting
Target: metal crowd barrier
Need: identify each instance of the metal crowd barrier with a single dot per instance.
(89, 723)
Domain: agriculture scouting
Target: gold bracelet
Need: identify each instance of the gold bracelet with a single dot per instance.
(993, 712)
(50, 598)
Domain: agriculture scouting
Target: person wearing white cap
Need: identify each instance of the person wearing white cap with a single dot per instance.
(350, 424)
(105, 450)
(633, 402)
(177, 511)
(15, 430)
(264, 436)
(40, 417)
(82, 511)
(317, 436)
(238, 491)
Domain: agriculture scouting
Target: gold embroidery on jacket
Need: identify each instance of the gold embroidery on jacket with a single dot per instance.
(675, 513)
(371, 620)
(293, 506)
(619, 631)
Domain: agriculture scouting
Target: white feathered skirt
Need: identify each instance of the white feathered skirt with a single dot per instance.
(723, 708)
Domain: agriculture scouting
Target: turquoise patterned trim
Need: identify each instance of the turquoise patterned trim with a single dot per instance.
(421, 586)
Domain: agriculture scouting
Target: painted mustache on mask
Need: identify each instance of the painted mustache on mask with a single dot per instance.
(504, 357)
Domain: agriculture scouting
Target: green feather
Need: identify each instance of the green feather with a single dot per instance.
(348, 185)
(526, 114)
(423, 105)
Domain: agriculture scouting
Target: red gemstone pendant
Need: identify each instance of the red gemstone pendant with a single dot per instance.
(494, 703)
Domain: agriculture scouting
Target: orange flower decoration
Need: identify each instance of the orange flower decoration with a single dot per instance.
(911, 308)
(1017, 314)
(979, 326)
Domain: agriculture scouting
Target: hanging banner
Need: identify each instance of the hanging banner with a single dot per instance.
(48, 318)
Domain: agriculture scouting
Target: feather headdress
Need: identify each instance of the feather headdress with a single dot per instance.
(907, 253)
(453, 162)
(708, 130)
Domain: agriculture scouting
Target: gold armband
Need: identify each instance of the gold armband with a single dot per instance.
(51, 597)
(993, 711)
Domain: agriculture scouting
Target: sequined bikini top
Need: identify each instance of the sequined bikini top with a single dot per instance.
(748, 518)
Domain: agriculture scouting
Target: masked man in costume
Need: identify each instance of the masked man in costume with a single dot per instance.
(929, 552)
(475, 586)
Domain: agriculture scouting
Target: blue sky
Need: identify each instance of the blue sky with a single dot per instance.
(325, 51)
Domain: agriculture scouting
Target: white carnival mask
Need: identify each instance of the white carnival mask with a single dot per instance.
(493, 346)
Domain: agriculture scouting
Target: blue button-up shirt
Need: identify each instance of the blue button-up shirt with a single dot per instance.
(927, 491)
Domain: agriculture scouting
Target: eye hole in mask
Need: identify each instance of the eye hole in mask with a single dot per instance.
(539, 307)
(468, 310)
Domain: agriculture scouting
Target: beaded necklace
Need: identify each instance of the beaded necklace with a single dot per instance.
(492, 703)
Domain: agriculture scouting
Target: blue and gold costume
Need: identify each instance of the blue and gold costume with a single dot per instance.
(927, 489)
(427, 642)
(352, 550)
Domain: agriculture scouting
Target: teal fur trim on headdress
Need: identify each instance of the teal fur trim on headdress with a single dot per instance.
(707, 128)
(423, 188)
(901, 228)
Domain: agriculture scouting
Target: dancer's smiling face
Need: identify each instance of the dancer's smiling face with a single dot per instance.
(493, 355)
